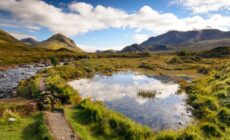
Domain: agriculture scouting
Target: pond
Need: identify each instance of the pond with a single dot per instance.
(122, 92)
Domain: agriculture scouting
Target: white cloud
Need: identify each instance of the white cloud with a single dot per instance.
(204, 6)
(139, 38)
(84, 18)
(81, 7)
(17, 24)
(21, 35)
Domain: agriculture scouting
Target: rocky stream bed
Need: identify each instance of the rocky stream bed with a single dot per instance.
(9, 79)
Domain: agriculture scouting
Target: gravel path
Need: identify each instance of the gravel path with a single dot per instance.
(59, 127)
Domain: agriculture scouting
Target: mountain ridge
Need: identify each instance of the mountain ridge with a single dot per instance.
(173, 40)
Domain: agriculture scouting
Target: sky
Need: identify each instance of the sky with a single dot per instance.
(110, 24)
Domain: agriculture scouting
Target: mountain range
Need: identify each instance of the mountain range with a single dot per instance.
(171, 41)
(55, 42)
(177, 40)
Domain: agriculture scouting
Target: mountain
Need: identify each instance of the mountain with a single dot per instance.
(177, 37)
(29, 41)
(13, 51)
(59, 41)
(134, 48)
(197, 40)
(141, 48)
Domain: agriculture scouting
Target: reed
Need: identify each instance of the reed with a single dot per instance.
(147, 93)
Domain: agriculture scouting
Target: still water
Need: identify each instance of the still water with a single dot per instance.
(119, 92)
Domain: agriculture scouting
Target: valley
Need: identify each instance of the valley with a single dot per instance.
(109, 95)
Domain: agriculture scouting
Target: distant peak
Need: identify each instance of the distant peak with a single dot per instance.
(58, 35)
(28, 39)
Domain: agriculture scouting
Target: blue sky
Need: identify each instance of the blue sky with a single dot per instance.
(110, 24)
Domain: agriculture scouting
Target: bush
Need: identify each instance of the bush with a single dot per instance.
(203, 70)
(175, 60)
(211, 130)
(30, 87)
(224, 116)
(54, 60)
(189, 136)
(147, 66)
(182, 53)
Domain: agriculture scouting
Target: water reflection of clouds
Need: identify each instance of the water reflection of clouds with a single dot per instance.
(113, 87)
(119, 92)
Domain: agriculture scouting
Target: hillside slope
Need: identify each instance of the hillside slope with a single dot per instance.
(7, 39)
(203, 45)
(217, 52)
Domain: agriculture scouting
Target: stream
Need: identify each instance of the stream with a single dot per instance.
(10, 78)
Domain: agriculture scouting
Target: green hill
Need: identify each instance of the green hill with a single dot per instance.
(59, 41)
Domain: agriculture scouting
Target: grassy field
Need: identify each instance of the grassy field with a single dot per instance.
(19, 131)
(208, 94)
(29, 123)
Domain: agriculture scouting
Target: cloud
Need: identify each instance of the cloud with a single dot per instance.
(84, 18)
(204, 6)
(21, 35)
(17, 24)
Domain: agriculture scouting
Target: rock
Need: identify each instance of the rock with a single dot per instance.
(11, 119)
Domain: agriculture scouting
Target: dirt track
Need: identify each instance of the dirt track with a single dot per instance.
(59, 127)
